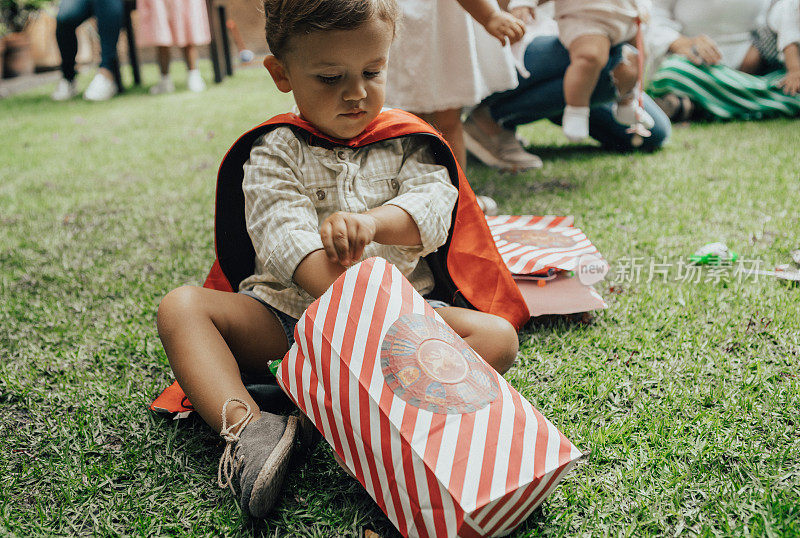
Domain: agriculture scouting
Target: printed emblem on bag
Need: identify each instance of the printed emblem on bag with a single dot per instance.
(429, 366)
(441, 361)
(538, 237)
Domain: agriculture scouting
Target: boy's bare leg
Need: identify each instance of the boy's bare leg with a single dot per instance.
(210, 338)
(448, 122)
(492, 337)
(588, 54)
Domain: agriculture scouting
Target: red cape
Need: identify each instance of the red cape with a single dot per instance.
(468, 270)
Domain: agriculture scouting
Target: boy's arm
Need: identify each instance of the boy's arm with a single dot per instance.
(344, 236)
(281, 219)
(394, 226)
(416, 220)
(316, 273)
(426, 195)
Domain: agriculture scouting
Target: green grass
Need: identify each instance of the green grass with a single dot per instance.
(686, 394)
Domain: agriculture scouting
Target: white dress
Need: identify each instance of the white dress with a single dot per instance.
(443, 59)
(784, 19)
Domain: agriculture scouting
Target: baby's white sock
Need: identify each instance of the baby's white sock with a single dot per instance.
(575, 122)
(625, 113)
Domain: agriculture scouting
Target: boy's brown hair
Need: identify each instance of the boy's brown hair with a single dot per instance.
(287, 18)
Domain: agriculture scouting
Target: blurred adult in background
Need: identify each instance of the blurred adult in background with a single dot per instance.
(71, 14)
(703, 65)
(490, 127)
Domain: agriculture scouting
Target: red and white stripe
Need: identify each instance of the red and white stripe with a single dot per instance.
(474, 474)
(509, 222)
(526, 259)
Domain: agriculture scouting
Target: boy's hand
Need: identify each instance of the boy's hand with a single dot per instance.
(790, 83)
(344, 236)
(504, 25)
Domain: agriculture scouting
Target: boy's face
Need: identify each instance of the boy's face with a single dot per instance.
(337, 77)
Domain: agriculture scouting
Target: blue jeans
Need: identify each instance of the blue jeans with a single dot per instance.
(71, 13)
(542, 96)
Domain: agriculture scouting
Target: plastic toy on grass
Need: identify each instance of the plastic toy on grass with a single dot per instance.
(714, 254)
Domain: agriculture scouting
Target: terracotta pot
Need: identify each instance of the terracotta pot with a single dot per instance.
(18, 56)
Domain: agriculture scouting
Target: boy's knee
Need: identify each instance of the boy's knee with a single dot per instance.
(176, 305)
(506, 344)
(594, 58)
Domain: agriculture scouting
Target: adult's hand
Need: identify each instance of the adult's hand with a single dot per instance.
(790, 83)
(700, 50)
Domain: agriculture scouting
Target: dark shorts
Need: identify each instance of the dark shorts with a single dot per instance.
(288, 322)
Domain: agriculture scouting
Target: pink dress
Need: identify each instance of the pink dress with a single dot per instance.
(169, 23)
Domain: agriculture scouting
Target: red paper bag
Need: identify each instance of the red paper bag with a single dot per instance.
(442, 443)
(531, 245)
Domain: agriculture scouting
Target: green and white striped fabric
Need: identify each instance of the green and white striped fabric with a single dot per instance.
(723, 92)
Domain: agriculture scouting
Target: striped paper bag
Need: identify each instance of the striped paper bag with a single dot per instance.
(532, 245)
(441, 442)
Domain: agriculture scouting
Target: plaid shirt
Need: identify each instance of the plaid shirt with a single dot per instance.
(290, 188)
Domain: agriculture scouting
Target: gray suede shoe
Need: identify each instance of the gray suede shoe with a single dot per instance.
(256, 458)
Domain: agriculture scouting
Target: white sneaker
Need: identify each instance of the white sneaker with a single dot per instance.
(65, 90)
(165, 85)
(195, 81)
(100, 88)
(575, 123)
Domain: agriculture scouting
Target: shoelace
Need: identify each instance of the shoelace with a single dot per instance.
(227, 462)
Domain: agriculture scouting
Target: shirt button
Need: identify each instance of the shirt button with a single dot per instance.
(395, 184)
(341, 154)
(320, 194)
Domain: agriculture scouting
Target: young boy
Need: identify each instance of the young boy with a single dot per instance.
(318, 196)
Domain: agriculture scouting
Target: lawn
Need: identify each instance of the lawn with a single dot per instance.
(685, 391)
